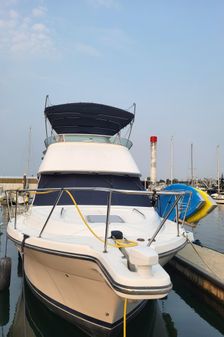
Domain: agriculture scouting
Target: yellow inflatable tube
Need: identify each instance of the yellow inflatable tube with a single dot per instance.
(208, 206)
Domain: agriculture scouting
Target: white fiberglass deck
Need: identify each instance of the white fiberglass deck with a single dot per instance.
(66, 226)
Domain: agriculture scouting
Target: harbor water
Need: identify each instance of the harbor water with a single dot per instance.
(185, 312)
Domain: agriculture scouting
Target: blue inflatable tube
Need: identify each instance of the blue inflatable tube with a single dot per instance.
(191, 198)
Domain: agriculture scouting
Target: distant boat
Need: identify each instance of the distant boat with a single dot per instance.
(218, 197)
(2, 194)
(18, 198)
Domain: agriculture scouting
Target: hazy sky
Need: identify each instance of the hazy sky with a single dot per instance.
(165, 55)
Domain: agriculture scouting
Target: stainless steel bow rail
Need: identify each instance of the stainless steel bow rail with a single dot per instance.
(177, 204)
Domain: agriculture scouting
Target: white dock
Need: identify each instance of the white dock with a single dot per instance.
(204, 267)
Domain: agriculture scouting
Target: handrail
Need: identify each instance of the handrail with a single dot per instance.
(102, 189)
(177, 216)
(178, 195)
(49, 215)
(8, 206)
(107, 220)
(88, 138)
(16, 209)
(164, 220)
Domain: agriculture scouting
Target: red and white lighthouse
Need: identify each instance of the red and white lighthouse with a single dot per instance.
(153, 161)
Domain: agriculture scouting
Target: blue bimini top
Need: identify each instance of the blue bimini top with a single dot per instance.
(87, 118)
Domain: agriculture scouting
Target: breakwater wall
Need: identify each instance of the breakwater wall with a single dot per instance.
(14, 183)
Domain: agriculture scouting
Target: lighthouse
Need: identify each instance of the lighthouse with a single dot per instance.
(153, 161)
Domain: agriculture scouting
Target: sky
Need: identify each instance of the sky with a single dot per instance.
(166, 56)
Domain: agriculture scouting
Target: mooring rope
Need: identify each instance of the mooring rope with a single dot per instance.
(203, 260)
(125, 317)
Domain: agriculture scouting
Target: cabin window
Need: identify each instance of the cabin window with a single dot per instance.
(91, 197)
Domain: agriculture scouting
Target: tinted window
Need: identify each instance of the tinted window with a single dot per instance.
(91, 197)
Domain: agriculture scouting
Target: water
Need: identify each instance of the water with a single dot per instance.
(210, 230)
(185, 312)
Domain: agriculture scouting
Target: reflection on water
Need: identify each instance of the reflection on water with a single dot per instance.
(34, 319)
(210, 313)
(4, 306)
(185, 312)
(210, 230)
(172, 331)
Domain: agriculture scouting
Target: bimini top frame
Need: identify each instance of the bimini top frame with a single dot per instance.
(87, 118)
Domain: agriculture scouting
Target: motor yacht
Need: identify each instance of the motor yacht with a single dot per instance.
(92, 243)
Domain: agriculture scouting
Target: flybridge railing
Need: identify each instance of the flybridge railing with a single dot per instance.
(178, 196)
(116, 139)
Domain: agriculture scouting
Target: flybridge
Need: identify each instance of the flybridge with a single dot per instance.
(87, 118)
(86, 138)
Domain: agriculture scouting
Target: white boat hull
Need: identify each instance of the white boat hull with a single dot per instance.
(86, 300)
(219, 198)
(74, 288)
(219, 201)
(76, 279)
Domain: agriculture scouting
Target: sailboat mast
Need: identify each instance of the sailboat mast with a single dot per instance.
(218, 168)
(29, 152)
(46, 102)
(171, 160)
(27, 166)
(192, 166)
